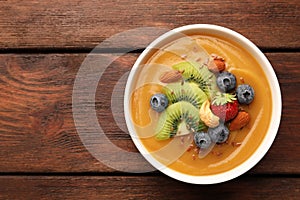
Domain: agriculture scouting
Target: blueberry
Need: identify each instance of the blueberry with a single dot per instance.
(159, 102)
(245, 94)
(202, 140)
(226, 81)
(218, 134)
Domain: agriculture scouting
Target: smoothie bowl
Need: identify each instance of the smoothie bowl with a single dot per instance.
(202, 104)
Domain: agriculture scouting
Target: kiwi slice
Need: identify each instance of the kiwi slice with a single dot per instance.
(186, 91)
(194, 72)
(180, 116)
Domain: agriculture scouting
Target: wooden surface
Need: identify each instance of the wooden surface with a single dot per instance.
(42, 46)
(83, 24)
(143, 187)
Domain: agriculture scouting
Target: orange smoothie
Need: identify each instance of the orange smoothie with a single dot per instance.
(241, 144)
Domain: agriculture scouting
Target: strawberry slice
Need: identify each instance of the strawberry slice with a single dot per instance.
(225, 106)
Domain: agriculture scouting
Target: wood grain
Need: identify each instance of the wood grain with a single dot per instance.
(37, 132)
(80, 24)
(144, 187)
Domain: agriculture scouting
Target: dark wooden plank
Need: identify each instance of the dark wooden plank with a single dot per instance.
(37, 132)
(83, 24)
(144, 187)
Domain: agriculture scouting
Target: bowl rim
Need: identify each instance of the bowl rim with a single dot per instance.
(276, 107)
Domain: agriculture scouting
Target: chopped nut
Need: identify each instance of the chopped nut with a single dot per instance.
(236, 144)
(190, 148)
(218, 153)
(242, 80)
(194, 157)
(184, 56)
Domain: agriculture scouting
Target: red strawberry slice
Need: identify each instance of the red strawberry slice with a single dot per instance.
(225, 106)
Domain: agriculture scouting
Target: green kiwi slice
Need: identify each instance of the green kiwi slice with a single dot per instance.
(195, 72)
(185, 91)
(179, 117)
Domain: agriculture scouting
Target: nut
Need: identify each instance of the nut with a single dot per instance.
(216, 64)
(241, 120)
(207, 116)
(171, 76)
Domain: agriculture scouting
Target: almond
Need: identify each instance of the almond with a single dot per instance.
(241, 120)
(217, 64)
(171, 76)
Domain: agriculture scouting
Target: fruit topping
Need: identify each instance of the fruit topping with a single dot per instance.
(159, 102)
(225, 106)
(226, 81)
(207, 116)
(199, 74)
(171, 76)
(245, 94)
(218, 134)
(217, 64)
(202, 140)
(179, 118)
(241, 120)
(197, 97)
(189, 92)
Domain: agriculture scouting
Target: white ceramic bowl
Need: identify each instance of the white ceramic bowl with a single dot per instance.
(275, 90)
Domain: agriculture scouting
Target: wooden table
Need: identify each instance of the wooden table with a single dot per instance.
(42, 47)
